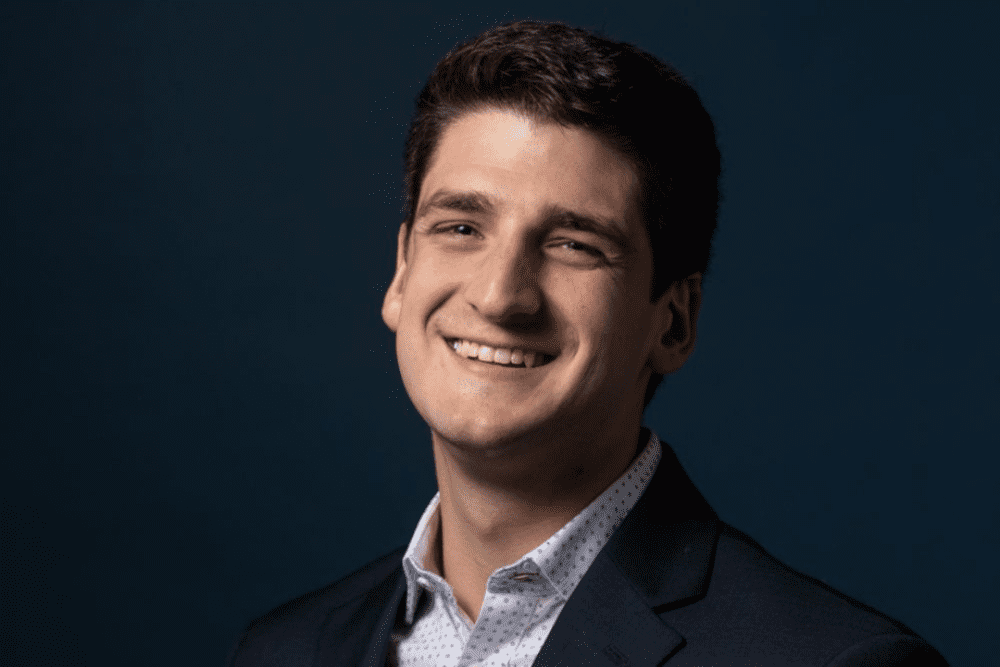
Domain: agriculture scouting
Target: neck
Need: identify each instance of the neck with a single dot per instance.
(494, 511)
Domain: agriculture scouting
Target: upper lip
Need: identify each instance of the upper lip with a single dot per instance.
(523, 346)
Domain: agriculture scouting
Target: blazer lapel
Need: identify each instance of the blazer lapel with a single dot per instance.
(658, 559)
(607, 622)
(378, 648)
(357, 631)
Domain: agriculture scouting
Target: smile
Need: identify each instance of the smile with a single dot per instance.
(502, 356)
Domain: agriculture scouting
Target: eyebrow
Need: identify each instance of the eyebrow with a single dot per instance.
(463, 201)
(554, 216)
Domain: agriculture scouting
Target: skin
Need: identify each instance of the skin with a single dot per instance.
(496, 255)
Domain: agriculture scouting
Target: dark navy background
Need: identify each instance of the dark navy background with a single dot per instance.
(202, 414)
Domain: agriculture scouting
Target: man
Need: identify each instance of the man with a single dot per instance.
(562, 195)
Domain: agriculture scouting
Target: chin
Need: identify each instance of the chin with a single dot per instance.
(534, 433)
(486, 432)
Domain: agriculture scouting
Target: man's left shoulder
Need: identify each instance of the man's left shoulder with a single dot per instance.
(755, 601)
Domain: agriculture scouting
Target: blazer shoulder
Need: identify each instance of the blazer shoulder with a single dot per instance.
(738, 556)
(292, 630)
(756, 601)
(741, 556)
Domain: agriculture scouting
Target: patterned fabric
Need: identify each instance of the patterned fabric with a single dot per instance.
(523, 600)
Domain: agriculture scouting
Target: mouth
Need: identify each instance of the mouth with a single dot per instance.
(498, 356)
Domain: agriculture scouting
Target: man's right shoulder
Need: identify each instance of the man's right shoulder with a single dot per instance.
(296, 631)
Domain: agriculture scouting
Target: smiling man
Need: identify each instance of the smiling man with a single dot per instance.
(563, 191)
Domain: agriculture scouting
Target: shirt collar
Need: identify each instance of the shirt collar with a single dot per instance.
(591, 528)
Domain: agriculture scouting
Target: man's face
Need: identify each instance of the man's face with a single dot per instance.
(526, 241)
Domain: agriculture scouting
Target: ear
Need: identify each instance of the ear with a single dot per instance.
(676, 320)
(393, 303)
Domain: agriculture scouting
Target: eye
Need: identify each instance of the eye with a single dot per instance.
(581, 247)
(459, 229)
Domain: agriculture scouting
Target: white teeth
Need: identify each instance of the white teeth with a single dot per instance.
(500, 355)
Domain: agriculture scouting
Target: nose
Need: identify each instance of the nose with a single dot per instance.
(504, 286)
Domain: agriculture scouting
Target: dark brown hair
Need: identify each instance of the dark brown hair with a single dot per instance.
(640, 106)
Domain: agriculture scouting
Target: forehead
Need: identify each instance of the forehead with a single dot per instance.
(520, 162)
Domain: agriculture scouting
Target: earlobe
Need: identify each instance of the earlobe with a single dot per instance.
(677, 318)
(392, 305)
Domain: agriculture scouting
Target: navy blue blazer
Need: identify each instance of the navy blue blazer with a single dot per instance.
(673, 586)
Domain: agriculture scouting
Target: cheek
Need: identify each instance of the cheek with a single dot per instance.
(611, 317)
(406, 346)
(622, 327)
(595, 313)
(437, 272)
(428, 283)
(598, 321)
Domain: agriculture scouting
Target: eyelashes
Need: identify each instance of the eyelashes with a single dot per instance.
(584, 248)
(462, 230)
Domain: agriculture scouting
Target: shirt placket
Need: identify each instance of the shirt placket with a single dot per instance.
(515, 600)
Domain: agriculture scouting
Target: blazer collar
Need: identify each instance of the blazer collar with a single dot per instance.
(658, 559)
